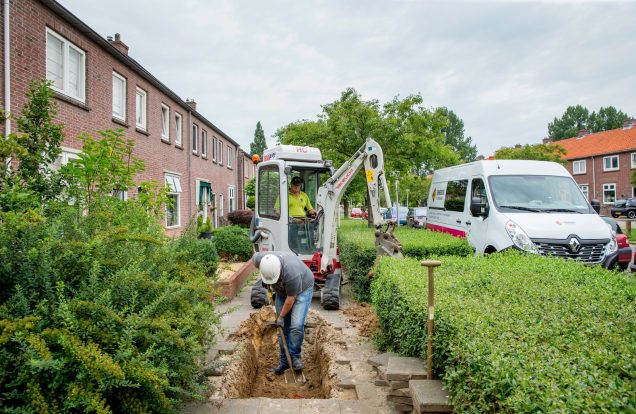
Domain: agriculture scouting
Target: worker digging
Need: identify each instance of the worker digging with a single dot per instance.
(293, 283)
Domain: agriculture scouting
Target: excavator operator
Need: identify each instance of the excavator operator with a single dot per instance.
(299, 204)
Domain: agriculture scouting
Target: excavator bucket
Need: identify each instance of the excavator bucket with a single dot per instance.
(385, 242)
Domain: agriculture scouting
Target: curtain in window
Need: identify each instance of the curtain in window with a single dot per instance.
(205, 190)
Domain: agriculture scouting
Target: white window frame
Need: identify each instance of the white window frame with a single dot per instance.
(214, 149)
(66, 47)
(220, 152)
(120, 194)
(610, 157)
(173, 184)
(633, 159)
(609, 187)
(579, 170)
(65, 156)
(178, 129)
(585, 189)
(141, 122)
(204, 143)
(231, 198)
(230, 157)
(221, 205)
(165, 122)
(195, 139)
(122, 100)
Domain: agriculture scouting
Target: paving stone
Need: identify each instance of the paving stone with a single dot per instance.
(278, 406)
(346, 382)
(405, 368)
(381, 383)
(244, 406)
(381, 371)
(396, 385)
(199, 407)
(379, 360)
(403, 392)
(403, 408)
(399, 400)
(366, 391)
(225, 347)
(429, 397)
(316, 406)
(342, 360)
(357, 407)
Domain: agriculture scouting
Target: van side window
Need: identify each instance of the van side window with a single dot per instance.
(478, 189)
(455, 195)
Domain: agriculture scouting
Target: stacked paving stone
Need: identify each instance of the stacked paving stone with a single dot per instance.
(408, 389)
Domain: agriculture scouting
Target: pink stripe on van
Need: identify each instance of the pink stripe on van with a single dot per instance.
(449, 230)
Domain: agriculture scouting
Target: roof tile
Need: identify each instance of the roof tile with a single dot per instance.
(600, 143)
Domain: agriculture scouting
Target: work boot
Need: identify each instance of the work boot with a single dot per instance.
(297, 364)
(280, 369)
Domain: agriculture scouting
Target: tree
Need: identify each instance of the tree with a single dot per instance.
(454, 136)
(539, 152)
(259, 145)
(576, 118)
(606, 119)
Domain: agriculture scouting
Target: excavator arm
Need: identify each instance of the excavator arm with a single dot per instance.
(371, 157)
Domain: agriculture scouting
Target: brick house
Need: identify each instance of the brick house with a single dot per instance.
(602, 163)
(97, 85)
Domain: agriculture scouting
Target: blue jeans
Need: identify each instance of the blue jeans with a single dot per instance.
(294, 325)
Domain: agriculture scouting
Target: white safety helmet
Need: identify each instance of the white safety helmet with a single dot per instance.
(270, 269)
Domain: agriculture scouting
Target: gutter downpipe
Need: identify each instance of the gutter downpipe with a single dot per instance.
(189, 155)
(593, 177)
(7, 66)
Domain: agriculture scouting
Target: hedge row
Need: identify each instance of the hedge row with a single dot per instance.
(233, 243)
(516, 333)
(357, 250)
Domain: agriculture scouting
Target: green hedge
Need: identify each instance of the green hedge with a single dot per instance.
(357, 250)
(517, 333)
(233, 242)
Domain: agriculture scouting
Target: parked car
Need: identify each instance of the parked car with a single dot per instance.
(356, 213)
(417, 217)
(390, 214)
(625, 253)
(624, 208)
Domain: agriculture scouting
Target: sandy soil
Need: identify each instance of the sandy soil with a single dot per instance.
(227, 269)
(363, 317)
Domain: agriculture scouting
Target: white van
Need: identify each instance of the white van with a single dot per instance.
(534, 206)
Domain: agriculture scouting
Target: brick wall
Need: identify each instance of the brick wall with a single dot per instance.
(29, 20)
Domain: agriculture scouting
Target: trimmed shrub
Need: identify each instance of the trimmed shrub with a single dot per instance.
(358, 252)
(516, 333)
(233, 243)
(241, 218)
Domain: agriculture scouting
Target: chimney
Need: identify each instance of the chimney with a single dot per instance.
(119, 45)
(192, 104)
(583, 133)
(517, 145)
(546, 141)
(629, 123)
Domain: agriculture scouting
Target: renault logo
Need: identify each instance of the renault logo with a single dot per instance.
(574, 245)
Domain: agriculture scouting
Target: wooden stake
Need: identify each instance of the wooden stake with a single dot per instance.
(431, 265)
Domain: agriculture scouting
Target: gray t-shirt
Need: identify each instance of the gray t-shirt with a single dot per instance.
(295, 276)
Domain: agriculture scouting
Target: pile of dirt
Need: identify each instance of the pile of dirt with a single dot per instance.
(248, 373)
(363, 317)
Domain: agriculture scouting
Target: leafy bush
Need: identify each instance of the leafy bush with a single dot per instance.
(241, 218)
(358, 252)
(233, 242)
(516, 333)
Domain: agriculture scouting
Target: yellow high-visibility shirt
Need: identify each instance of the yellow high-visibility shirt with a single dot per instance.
(299, 205)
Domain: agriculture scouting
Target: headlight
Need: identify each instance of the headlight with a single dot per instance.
(612, 246)
(520, 238)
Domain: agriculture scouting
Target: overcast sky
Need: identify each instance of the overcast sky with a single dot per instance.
(507, 68)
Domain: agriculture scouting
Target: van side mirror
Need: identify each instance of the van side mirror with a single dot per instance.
(477, 208)
(596, 205)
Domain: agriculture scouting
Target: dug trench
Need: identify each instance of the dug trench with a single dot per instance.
(247, 374)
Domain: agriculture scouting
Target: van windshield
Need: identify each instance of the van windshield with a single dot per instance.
(537, 193)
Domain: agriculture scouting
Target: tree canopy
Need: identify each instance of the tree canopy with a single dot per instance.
(454, 136)
(576, 118)
(259, 145)
(539, 152)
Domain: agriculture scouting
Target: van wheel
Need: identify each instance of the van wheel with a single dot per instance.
(615, 215)
(631, 214)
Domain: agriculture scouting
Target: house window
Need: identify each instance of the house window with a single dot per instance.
(141, 99)
(633, 157)
(213, 149)
(204, 143)
(585, 189)
(65, 66)
(204, 199)
(609, 193)
(231, 197)
(178, 129)
(195, 139)
(64, 158)
(119, 96)
(173, 211)
(165, 122)
(578, 167)
(221, 212)
(610, 163)
(220, 153)
(229, 157)
(120, 194)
